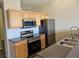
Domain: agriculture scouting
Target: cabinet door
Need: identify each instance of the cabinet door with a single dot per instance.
(21, 50)
(28, 15)
(43, 44)
(14, 19)
(32, 16)
(38, 18)
(25, 15)
(44, 16)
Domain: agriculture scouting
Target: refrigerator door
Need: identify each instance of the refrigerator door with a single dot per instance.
(51, 32)
(51, 40)
(51, 26)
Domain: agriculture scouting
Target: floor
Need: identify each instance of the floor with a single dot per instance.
(1, 54)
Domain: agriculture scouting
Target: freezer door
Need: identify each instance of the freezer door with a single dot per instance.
(51, 40)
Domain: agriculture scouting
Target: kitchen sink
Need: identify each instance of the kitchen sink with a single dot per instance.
(68, 42)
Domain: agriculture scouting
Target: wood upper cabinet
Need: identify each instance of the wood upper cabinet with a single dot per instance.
(44, 16)
(25, 15)
(38, 18)
(33, 15)
(14, 19)
(28, 15)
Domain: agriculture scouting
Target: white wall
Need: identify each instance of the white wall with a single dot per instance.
(66, 13)
(9, 4)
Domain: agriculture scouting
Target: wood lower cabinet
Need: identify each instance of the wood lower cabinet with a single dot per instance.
(43, 42)
(24, 48)
(19, 49)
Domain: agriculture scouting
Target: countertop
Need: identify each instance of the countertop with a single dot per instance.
(74, 53)
(54, 51)
(58, 51)
(34, 38)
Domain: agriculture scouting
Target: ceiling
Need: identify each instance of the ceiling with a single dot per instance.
(33, 3)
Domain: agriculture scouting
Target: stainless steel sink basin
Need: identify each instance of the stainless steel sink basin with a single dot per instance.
(68, 42)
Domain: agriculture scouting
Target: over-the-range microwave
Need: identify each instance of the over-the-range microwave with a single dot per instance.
(28, 23)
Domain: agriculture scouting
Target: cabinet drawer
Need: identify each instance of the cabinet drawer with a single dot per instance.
(42, 36)
(20, 43)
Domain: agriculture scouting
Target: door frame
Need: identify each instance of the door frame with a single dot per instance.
(4, 27)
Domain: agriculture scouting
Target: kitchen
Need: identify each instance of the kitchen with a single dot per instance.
(55, 10)
(28, 27)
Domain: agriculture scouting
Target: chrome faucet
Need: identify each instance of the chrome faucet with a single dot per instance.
(75, 32)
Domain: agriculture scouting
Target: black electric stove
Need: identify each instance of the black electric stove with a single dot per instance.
(34, 43)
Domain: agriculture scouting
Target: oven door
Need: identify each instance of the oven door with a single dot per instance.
(34, 47)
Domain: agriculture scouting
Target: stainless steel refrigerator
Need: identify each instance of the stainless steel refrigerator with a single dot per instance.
(48, 28)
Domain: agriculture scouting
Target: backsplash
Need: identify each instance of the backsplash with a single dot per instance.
(14, 33)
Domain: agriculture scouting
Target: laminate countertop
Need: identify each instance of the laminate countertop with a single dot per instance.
(54, 51)
(58, 51)
(34, 38)
(74, 53)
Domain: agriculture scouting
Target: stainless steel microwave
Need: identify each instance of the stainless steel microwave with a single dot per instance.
(28, 23)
